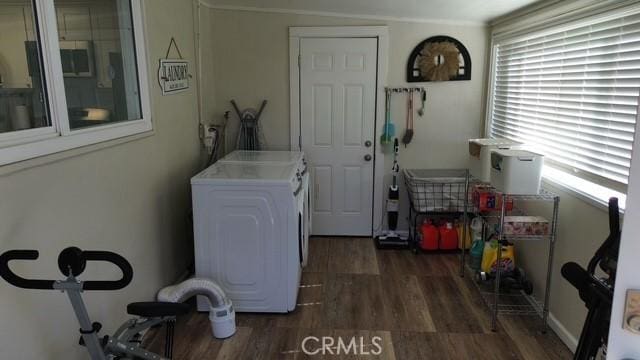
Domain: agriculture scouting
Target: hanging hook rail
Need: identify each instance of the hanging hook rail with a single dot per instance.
(404, 89)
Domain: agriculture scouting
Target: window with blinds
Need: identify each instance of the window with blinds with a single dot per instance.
(572, 95)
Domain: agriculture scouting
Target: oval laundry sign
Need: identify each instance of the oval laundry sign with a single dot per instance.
(173, 76)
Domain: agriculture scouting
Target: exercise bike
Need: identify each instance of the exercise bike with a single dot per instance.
(126, 342)
(597, 293)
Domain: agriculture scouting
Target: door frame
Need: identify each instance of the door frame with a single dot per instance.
(381, 33)
(622, 343)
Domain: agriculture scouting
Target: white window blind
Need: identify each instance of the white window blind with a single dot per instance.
(572, 94)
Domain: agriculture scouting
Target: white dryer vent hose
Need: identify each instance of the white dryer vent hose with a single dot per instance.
(221, 314)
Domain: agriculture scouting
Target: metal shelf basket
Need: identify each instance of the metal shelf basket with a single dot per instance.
(437, 190)
(437, 193)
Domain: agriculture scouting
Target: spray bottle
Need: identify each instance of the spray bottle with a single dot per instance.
(477, 246)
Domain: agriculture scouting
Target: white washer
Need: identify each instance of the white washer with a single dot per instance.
(288, 157)
(282, 157)
(248, 233)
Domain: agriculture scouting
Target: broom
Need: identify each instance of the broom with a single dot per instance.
(408, 133)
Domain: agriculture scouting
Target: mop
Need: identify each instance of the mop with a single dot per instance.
(390, 239)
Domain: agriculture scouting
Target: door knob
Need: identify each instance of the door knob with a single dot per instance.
(367, 157)
(368, 143)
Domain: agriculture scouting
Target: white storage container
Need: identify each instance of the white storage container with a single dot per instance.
(516, 171)
(480, 153)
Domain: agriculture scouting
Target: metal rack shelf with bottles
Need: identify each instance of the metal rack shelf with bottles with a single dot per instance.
(518, 303)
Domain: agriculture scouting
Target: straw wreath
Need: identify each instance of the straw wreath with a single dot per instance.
(430, 69)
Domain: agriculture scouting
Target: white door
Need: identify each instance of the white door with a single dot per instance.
(337, 107)
(624, 344)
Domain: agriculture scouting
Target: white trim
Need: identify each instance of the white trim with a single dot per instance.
(62, 143)
(139, 25)
(294, 93)
(54, 78)
(341, 15)
(599, 198)
(490, 85)
(382, 34)
(198, 59)
(27, 135)
(568, 22)
(551, 13)
(338, 31)
(565, 336)
(22, 145)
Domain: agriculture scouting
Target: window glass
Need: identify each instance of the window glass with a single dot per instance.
(22, 98)
(97, 51)
(572, 94)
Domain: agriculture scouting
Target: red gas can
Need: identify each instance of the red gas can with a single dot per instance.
(430, 236)
(448, 237)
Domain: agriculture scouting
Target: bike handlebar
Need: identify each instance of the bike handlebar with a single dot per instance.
(15, 280)
(117, 260)
(79, 257)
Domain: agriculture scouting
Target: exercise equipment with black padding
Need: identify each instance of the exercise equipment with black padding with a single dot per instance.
(125, 343)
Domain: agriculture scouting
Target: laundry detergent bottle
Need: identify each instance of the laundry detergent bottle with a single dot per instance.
(430, 236)
(448, 237)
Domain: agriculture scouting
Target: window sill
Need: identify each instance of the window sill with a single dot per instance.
(591, 193)
(80, 138)
(72, 152)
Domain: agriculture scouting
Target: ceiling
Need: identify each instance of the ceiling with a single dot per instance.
(473, 11)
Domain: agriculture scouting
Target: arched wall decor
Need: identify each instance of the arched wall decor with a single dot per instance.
(439, 49)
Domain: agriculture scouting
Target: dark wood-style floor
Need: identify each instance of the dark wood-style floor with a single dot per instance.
(417, 304)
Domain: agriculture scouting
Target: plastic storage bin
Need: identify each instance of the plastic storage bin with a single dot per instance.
(516, 171)
(480, 153)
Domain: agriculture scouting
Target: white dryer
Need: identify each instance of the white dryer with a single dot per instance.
(289, 157)
(296, 158)
(248, 233)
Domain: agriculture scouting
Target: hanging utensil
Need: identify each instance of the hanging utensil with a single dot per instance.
(389, 130)
(408, 133)
(423, 95)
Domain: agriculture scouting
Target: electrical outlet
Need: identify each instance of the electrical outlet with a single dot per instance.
(632, 312)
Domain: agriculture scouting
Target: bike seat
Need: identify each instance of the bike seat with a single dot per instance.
(152, 309)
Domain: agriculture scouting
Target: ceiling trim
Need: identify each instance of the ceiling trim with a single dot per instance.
(211, 5)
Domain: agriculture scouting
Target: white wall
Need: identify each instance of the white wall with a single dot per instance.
(582, 228)
(250, 63)
(131, 198)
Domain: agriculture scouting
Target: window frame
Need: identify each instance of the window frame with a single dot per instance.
(26, 144)
(560, 23)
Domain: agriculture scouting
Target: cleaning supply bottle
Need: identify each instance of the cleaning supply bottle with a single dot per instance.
(448, 237)
(430, 236)
(477, 246)
(464, 237)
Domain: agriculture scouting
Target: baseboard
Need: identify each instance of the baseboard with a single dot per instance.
(562, 332)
